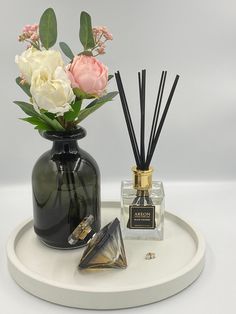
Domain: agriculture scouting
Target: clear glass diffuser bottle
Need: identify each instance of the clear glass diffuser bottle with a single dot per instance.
(142, 206)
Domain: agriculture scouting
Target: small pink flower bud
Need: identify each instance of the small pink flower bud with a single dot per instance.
(104, 29)
(34, 37)
(26, 28)
(34, 27)
(108, 36)
(101, 49)
(29, 32)
(95, 30)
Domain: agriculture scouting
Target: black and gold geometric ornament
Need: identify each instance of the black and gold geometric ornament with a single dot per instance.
(105, 249)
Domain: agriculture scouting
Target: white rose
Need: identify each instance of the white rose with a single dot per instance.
(32, 59)
(51, 92)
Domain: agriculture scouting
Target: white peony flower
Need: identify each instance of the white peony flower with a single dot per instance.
(32, 59)
(51, 91)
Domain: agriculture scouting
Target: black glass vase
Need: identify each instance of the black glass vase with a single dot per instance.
(66, 189)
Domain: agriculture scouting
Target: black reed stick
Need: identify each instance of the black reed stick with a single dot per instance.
(140, 102)
(141, 162)
(142, 111)
(158, 132)
(128, 120)
(156, 113)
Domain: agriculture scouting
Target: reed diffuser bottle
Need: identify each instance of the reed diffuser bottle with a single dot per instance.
(142, 206)
(142, 199)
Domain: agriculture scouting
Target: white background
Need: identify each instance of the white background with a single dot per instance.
(197, 40)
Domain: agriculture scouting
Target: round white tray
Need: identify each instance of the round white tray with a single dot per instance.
(52, 274)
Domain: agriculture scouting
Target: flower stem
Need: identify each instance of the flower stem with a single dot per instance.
(61, 120)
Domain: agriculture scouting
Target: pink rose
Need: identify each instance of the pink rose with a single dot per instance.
(88, 74)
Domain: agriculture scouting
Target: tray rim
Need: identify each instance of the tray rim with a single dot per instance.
(13, 260)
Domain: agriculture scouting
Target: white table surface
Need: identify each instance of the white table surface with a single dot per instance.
(211, 206)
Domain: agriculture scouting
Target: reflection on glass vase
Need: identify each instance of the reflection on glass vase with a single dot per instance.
(66, 188)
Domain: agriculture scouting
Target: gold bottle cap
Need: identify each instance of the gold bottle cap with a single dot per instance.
(82, 230)
(142, 179)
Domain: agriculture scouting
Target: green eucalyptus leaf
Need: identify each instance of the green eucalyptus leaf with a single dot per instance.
(86, 33)
(27, 108)
(48, 28)
(73, 114)
(66, 50)
(44, 120)
(40, 125)
(94, 105)
(110, 77)
(25, 87)
(102, 100)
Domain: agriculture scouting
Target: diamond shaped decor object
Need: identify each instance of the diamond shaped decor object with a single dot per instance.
(105, 249)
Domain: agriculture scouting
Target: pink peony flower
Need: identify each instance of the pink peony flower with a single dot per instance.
(88, 74)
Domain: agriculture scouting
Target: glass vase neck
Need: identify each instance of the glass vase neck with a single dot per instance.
(64, 142)
(72, 135)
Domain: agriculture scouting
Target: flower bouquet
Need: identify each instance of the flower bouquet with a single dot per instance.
(57, 90)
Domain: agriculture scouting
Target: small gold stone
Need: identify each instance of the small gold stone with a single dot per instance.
(150, 255)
